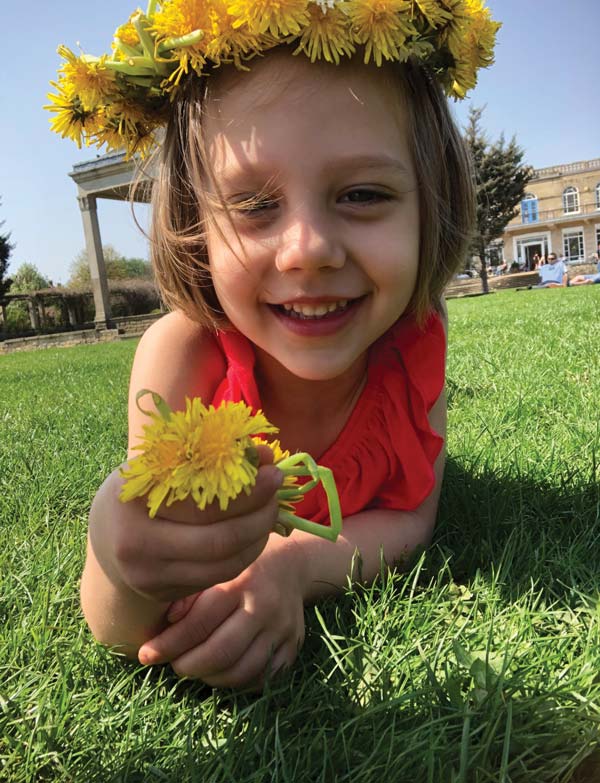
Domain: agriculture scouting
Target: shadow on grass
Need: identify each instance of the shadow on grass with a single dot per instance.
(523, 530)
(313, 723)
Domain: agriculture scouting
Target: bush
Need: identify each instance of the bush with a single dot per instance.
(17, 318)
(133, 297)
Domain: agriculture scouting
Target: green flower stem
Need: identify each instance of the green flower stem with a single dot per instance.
(129, 70)
(151, 10)
(141, 24)
(287, 519)
(181, 42)
(128, 51)
(292, 492)
(142, 62)
(143, 81)
(293, 471)
(304, 465)
(161, 406)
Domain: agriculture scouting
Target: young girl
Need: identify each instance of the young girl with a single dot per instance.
(306, 218)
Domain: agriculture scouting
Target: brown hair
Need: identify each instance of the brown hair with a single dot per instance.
(181, 208)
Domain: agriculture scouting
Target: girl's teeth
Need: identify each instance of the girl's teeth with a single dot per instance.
(315, 311)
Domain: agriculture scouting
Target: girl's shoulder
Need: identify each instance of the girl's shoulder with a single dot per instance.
(415, 351)
(177, 358)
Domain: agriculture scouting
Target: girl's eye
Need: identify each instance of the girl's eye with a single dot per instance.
(253, 207)
(365, 196)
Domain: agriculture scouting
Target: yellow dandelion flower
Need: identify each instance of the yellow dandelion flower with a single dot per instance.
(277, 17)
(226, 42)
(210, 454)
(463, 78)
(452, 34)
(123, 126)
(382, 27)
(150, 473)
(219, 465)
(175, 19)
(290, 482)
(480, 37)
(326, 34)
(72, 120)
(470, 38)
(127, 33)
(88, 77)
(203, 452)
(433, 13)
(133, 141)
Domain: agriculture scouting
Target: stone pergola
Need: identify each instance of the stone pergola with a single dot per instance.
(108, 176)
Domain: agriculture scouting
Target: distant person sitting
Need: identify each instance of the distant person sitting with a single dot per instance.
(553, 274)
(587, 279)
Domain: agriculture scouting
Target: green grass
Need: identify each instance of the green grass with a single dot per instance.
(481, 664)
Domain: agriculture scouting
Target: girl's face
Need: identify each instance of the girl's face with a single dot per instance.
(320, 255)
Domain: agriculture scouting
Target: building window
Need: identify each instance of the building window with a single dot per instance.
(598, 196)
(573, 249)
(529, 208)
(570, 200)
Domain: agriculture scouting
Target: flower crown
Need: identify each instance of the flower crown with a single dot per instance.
(120, 100)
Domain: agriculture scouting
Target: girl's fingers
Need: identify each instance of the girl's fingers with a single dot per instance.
(164, 540)
(178, 578)
(268, 480)
(250, 669)
(210, 609)
(265, 455)
(281, 659)
(222, 650)
(181, 607)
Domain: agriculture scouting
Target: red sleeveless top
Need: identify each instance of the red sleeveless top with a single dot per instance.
(384, 456)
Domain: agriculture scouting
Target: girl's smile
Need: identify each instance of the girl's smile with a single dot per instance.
(317, 317)
(314, 255)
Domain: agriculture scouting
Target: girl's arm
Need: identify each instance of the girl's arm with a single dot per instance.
(229, 635)
(372, 534)
(135, 565)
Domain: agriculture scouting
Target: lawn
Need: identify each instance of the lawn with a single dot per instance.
(480, 664)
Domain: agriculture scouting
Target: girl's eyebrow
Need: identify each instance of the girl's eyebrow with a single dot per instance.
(379, 162)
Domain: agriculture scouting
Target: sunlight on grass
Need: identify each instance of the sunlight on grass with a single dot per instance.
(479, 664)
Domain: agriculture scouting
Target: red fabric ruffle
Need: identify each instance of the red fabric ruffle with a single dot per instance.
(384, 456)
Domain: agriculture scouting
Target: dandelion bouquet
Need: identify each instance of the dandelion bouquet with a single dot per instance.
(210, 454)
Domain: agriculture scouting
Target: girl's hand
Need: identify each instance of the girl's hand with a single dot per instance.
(234, 633)
(183, 549)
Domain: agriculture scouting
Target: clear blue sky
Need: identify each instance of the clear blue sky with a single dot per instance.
(543, 89)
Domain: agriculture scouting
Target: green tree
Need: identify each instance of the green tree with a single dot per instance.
(28, 278)
(501, 178)
(118, 267)
(5, 250)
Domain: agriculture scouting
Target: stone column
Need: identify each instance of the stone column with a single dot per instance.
(41, 308)
(71, 313)
(34, 315)
(93, 244)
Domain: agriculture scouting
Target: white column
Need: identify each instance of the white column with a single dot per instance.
(93, 244)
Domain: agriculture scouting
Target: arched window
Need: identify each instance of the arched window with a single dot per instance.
(598, 196)
(570, 200)
(529, 208)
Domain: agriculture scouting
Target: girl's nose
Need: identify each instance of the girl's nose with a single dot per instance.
(308, 243)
